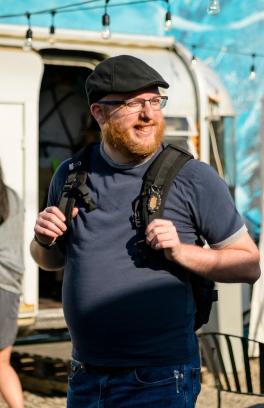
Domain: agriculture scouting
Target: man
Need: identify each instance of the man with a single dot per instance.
(131, 324)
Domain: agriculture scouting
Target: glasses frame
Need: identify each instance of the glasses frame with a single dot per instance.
(142, 102)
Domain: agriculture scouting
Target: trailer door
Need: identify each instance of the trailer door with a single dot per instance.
(20, 77)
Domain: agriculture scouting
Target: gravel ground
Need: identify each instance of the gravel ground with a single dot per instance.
(206, 399)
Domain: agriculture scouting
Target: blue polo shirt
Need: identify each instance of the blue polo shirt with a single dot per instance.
(120, 312)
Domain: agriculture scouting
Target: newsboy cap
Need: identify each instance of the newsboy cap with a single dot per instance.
(121, 74)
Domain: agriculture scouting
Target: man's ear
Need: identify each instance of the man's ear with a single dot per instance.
(98, 113)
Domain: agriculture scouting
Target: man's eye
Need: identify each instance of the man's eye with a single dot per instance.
(155, 101)
(133, 104)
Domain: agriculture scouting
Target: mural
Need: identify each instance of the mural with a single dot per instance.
(225, 42)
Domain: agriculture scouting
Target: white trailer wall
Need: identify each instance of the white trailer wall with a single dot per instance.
(20, 76)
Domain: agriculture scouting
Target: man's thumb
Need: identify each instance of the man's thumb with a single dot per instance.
(75, 212)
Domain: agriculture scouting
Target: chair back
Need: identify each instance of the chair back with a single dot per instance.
(218, 353)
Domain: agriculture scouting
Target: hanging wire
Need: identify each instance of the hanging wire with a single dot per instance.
(226, 50)
(48, 11)
(87, 5)
(74, 7)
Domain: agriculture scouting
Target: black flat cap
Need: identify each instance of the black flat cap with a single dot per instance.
(121, 74)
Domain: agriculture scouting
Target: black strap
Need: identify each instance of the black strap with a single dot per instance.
(75, 187)
(158, 179)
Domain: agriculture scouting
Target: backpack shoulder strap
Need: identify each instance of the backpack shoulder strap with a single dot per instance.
(157, 181)
(156, 185)
(75, 187)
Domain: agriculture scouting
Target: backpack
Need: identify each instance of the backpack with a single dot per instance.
(150, 205)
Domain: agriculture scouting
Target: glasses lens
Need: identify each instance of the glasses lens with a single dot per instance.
(156, 102)
(163, 102)
(135, 105)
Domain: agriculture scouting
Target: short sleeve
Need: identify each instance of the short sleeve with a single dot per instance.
(214, 209)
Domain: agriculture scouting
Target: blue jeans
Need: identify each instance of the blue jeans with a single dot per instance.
(174, 386)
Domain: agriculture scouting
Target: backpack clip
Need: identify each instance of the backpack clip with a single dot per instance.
(154, 199)
(72, 166)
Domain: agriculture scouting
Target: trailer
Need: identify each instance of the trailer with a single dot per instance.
(43, 120)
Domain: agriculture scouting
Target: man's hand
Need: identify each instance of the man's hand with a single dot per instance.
(237, 261)
(162, 234)
(50, 224)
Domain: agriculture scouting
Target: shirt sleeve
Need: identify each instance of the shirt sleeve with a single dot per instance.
(216, 215)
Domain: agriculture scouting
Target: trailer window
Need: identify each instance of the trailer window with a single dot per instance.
(223, 149)
(178, 131)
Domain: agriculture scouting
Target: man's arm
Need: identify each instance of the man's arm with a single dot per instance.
(49, 226)
(51, 259)
(235, 262)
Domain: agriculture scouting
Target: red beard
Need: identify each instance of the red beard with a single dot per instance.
(121, 140)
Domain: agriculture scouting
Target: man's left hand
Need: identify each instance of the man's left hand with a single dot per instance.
(162, 234)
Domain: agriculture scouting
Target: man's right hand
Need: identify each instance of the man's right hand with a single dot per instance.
(50, 224)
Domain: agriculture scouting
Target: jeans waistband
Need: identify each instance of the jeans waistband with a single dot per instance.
(103, 369)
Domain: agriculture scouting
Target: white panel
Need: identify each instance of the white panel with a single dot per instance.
(20, 78)
(11, 146)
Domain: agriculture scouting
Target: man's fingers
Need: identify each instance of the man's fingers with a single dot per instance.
(75, 212)
(55, 211)
(158, 222)
(53, 226)
(158, 231)
(162, 234)
(50, 223)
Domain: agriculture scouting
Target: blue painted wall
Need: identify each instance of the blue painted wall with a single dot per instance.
(239, 27)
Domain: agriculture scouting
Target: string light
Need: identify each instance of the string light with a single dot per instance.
(213, 7)
(29, 34)
(194, 59)
(52, 28)
(106, 33)
(252, 72)
(168, 21)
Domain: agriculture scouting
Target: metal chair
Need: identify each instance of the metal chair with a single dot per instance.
(223, 355)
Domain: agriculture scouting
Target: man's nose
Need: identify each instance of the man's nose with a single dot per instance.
(147, 111)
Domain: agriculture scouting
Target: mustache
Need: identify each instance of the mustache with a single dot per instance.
(146, 123)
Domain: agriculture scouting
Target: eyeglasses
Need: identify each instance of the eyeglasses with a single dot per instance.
(135, 105)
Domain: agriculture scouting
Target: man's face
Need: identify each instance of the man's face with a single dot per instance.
(136, 133)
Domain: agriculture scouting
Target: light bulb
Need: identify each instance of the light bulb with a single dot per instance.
(194, 60)
(52, 35)
(106, 33)
(252, 74)
(168, 22)
(213, 7)
(28, 40)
